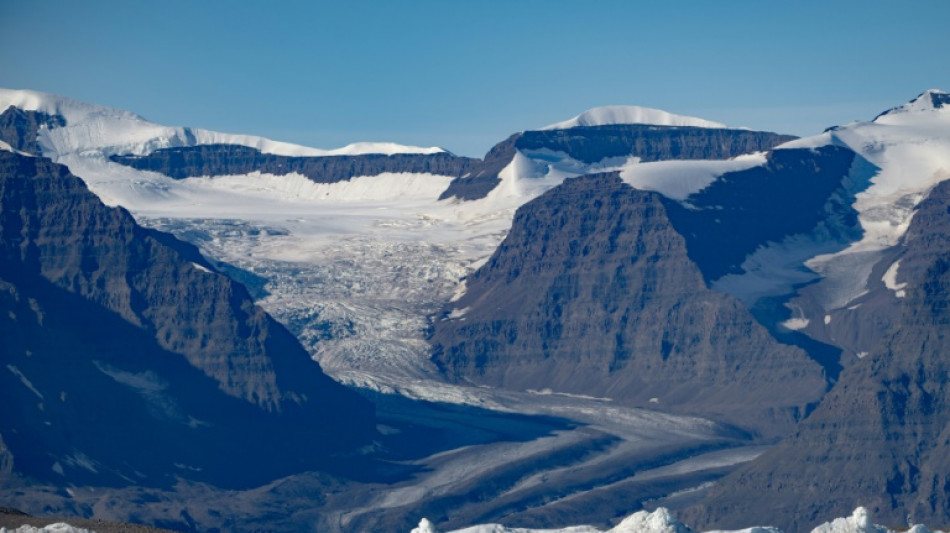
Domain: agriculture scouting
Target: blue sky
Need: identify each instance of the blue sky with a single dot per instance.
(464, 75)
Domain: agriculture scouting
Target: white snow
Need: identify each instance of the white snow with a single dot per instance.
(903, 154)
(425, 526)
(923, 102)
(858, 522)
(58, 527)
(890, 279)
(795, 324)
(910, 148)
(662, 521)
(7, 148)
(386, 187)
(680, 179)
(110, 131)
(628, 114)
(26, 382)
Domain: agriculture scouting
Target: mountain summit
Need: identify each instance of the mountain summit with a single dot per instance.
(630, 114)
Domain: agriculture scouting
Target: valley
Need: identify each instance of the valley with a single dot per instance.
(601, 316)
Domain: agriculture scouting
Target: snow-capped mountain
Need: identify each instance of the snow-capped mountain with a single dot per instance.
(623, 114)
(274, 210)
(93, 128)
(622, 269)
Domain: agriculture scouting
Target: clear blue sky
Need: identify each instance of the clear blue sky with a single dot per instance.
(464, 75)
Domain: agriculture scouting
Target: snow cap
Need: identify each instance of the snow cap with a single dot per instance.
(630, 114)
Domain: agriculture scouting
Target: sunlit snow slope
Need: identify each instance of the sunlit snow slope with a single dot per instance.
(628, 114)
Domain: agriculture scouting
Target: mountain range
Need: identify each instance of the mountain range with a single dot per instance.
(792, 292)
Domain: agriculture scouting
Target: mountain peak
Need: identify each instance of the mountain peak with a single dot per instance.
(929, 100)
(630, 114)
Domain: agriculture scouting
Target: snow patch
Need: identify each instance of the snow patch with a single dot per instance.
(678, 180)
(7, 148)
(628, 114)
(795, 324)
(457, 313)
(890, 278)
(202, 268)
(26, 382)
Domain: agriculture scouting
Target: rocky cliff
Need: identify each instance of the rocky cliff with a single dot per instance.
(880, 437)
(109, 325)
(592, 144)
(592, 292)
(233, 159)
(18, 128)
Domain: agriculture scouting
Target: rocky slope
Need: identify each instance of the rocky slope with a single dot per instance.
(110, 325)
(593, 293)
(880, 436)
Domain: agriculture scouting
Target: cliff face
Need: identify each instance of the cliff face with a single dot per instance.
(228, 159)
(18, 128)
(163, 321)
(592, 144)
(592, 292)
(880, 438)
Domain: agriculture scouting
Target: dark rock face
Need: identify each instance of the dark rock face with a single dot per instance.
(593, 293)
(18, 128)
(225, 159)
(939, 99)
(880, 438)
(591, 144)
(108, 325)
(743, 210)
